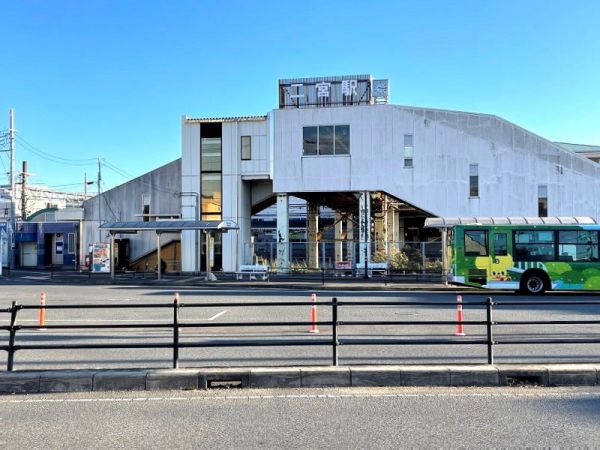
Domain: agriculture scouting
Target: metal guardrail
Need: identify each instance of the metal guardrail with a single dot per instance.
(334, 340)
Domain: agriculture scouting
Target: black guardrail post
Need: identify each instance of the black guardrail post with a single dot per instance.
(490, 332)
(323, 276)
(176, 331)
(334, 330)
(11, 339)
(385, 278)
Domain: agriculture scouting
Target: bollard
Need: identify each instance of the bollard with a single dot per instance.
(313, 314)
(42, 314)
(459, 317)
(176, 330)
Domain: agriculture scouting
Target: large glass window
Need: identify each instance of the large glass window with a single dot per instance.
(476, 242)
(246, 147)
(326, 140)
(342, 139)
(532, 245)
(310, 136)
(578, 245)
(211, 155)
(211, 196)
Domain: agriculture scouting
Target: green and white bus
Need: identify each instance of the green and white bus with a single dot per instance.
(526, 258)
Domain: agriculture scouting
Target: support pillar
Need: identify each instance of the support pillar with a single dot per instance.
(158, 268)
(283, 233)
(364, 224)
(312, 233)
(350, 253)
(112, 256)
(339, 243)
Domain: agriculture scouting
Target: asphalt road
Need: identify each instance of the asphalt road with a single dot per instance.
(216, 316)
(315, 418)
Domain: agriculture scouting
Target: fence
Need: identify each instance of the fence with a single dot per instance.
(412, 257)
(333, 340)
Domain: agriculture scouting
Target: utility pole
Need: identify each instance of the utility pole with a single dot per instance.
(99, 202)
(24, 175)
(11, 143)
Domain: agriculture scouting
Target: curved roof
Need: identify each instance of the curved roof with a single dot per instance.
(168, 226)
(449, 222)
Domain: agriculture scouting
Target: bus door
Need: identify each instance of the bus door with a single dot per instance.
(500, 260)
(477, 256)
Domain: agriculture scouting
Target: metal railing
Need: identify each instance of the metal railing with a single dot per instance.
(334, 340)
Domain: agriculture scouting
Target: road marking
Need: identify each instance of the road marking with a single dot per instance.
(109, 321)
(529, 394)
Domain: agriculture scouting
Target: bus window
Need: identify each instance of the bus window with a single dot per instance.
(577, 245)
(476, 243)
(500, 244)
(533, 245)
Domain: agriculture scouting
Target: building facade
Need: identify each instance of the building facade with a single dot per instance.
(380, 169)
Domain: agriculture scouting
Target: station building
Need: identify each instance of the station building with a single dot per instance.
(374, 170)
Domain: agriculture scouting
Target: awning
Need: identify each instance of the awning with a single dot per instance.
(169, 226)
(449, 222)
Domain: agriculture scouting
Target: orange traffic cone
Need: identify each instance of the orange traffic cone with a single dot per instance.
(313, 314)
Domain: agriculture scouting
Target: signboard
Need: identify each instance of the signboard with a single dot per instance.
(325, 91)
(3, 245)
(100, 257)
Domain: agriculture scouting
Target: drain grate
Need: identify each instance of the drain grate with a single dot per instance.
(224, 384)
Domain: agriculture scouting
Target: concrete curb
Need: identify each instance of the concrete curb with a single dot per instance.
(30, 382)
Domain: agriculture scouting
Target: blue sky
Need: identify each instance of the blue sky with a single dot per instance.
(112, 79)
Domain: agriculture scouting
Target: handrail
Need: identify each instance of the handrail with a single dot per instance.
(334, 340)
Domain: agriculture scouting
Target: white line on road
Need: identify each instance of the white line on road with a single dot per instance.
(109, 321)
(532, 393)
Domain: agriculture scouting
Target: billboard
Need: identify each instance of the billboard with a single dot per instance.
(100, 257)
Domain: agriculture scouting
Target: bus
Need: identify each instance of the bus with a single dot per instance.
(531, 259)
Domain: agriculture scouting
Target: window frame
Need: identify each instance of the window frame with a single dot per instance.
(243, 156)
(474, 187)
(318, 140)
(409, 151)
(539, 243)
(486, 234)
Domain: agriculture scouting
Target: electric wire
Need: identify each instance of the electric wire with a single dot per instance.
(52, 158)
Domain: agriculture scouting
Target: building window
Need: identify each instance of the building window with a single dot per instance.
(211, 155)
(473, 180)
(146, 213)
(71, 243)
(211, 196)
(246, 148)
(542, 200)
(408, 150)
(326, 140)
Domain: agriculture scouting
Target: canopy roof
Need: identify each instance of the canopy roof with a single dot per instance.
(169, 226)
(449, 222)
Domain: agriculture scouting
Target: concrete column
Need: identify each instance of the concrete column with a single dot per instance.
(283, 233)
(381, 229)
(364, 224)
(158, 268)
(311, 235)
(350, 240)
(339, 244)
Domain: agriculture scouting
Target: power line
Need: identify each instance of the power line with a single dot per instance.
(49, 157)
(130, 177)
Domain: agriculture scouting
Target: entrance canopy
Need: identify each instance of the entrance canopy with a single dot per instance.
(169, 226)
(449, 222)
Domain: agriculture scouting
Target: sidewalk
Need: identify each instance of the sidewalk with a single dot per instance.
(415, 282)
(29, 382)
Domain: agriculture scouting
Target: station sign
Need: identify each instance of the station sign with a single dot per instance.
(331, 91)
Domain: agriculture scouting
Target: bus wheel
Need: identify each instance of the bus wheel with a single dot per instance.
(533, 284)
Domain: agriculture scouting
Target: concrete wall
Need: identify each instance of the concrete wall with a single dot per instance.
(125, 203)
(512, 162)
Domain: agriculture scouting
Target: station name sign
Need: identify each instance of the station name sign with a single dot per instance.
(329, 91)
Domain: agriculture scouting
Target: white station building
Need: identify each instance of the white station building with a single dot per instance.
(336, 143)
